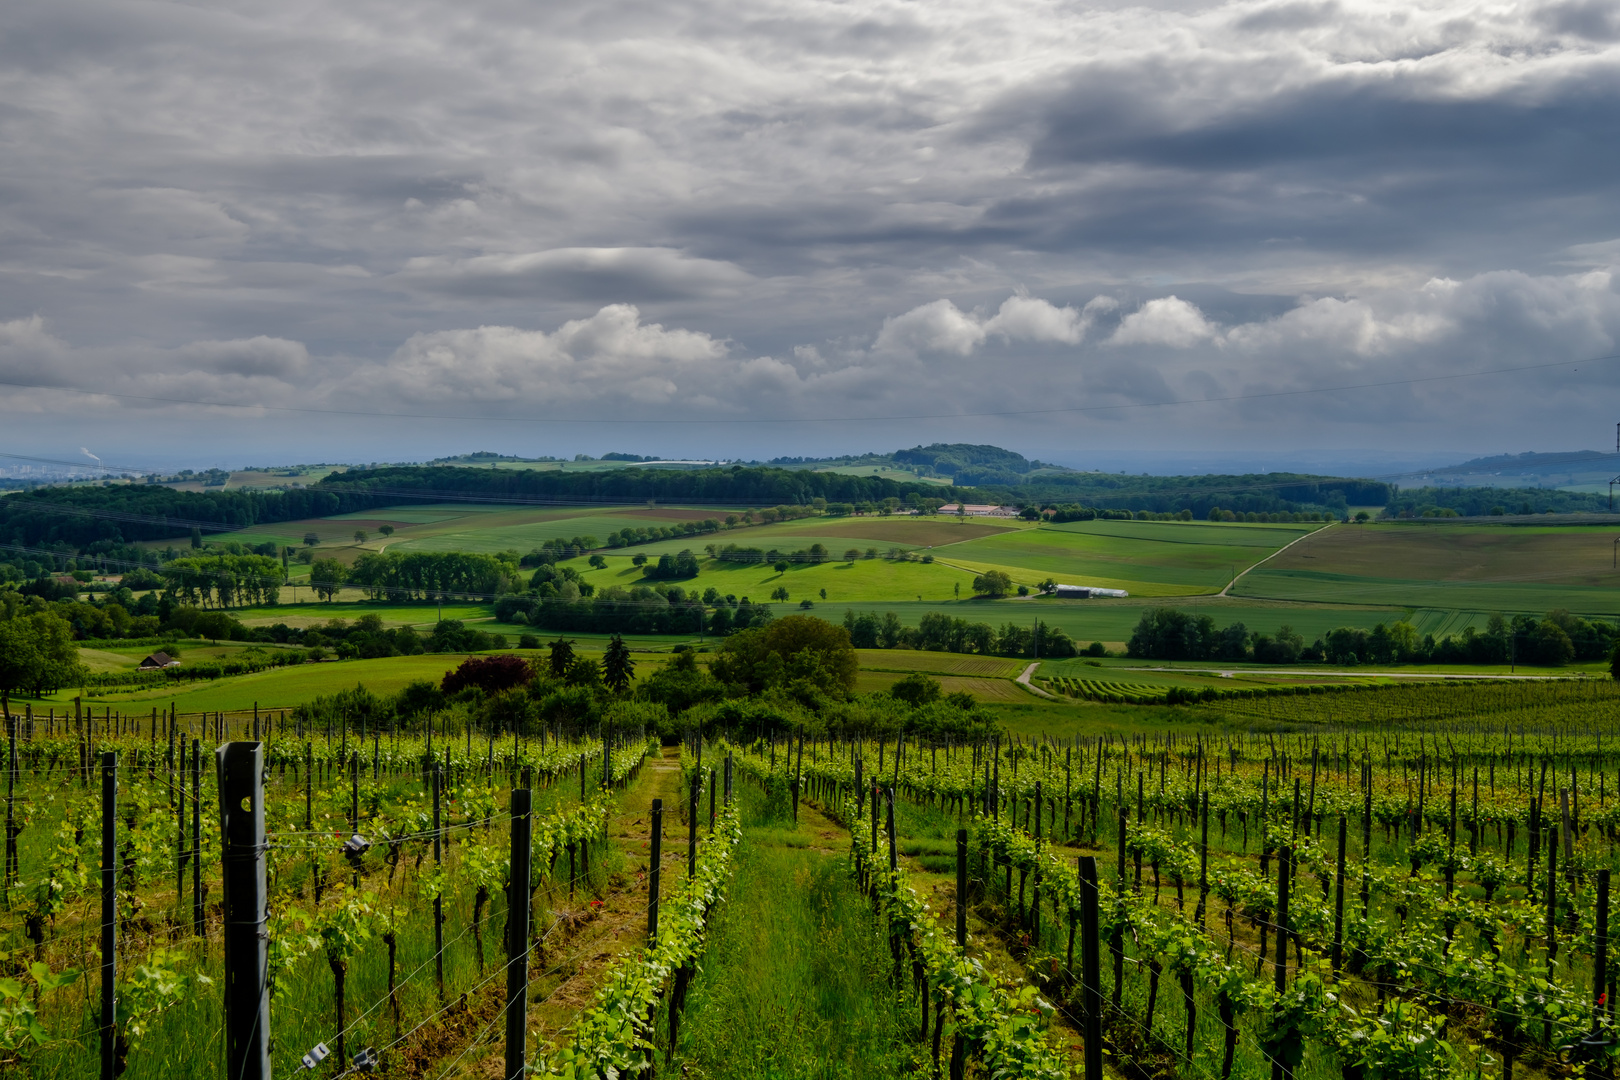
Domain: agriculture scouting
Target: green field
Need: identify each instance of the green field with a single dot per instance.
(1456, 568)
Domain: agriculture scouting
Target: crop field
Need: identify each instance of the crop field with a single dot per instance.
(865, 579)
(994, 667)
(902, 531)
(351, 604)
(465, 526)
(1448, 567)
(1145, 558)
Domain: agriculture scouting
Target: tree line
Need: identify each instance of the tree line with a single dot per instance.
(1556, 639)
(83, 515)
(938, 632)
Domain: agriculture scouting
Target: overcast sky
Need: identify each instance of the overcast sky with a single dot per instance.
(805, 214)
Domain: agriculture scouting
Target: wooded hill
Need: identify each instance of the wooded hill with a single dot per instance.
(81, 516)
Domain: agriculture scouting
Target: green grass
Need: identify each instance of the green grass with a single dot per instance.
(1456, 568)
(315, 613)
(862, 580)
(288, 686)
(1143, 557)
(794, 983)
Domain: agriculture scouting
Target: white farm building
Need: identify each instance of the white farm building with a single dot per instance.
(1086, 592)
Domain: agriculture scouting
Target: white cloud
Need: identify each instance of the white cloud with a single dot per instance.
(942, 327)
(939, 326)
(1169, 321)
(1027, 318)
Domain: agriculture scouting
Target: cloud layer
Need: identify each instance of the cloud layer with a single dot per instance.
(800, 211)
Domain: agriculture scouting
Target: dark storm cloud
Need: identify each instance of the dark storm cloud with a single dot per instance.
(796, 209)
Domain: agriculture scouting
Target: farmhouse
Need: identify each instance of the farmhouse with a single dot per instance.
(158, 660)
(1085, 592)
(980, 510)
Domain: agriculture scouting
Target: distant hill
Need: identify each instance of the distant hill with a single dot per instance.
(962, 463)
(1572, 470)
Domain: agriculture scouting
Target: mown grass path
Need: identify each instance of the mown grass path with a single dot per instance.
(795, 982)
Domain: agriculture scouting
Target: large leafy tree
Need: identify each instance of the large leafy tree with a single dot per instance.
(798, 647)
(327, 576)
(992, 583)
(36, 654)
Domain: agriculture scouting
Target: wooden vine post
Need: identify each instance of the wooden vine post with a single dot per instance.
(198, 926)
(247, 984)
(654, 863)
(438, 892)
(517, 938)
(1280, 1070)
(109, 916)
(1090, 969)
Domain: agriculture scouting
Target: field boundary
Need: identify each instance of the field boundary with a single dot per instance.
(1273, 555)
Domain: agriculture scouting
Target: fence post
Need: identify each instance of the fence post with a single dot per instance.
(11, 780)
(247, 990)
(1600, 949)
(894, 859)
(1338, 899)
(1091, 968)
(1552, 893)
(1203, 858)
(179, 790)
(197, 925)
(438, 897)
(655, 862)
(109, 915)
(961, 888)
(693, 802)
(798, 771)
(1285, 857)
(517, 940)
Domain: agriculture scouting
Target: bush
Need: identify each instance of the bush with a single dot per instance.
(490, 674)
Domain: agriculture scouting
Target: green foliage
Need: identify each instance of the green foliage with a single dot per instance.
(613, 1037)
(20, 1027)
(993, 583)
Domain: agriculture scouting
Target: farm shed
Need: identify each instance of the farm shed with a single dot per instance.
(1086, 592)
(158, 660)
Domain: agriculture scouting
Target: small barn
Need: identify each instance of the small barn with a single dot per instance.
(158, 660)
(1086, 592)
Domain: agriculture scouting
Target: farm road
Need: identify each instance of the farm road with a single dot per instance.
(1314, 532)
(1023, 680)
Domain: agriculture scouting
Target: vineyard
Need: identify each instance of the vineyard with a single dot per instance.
(1405, 904)
(1408, 881)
